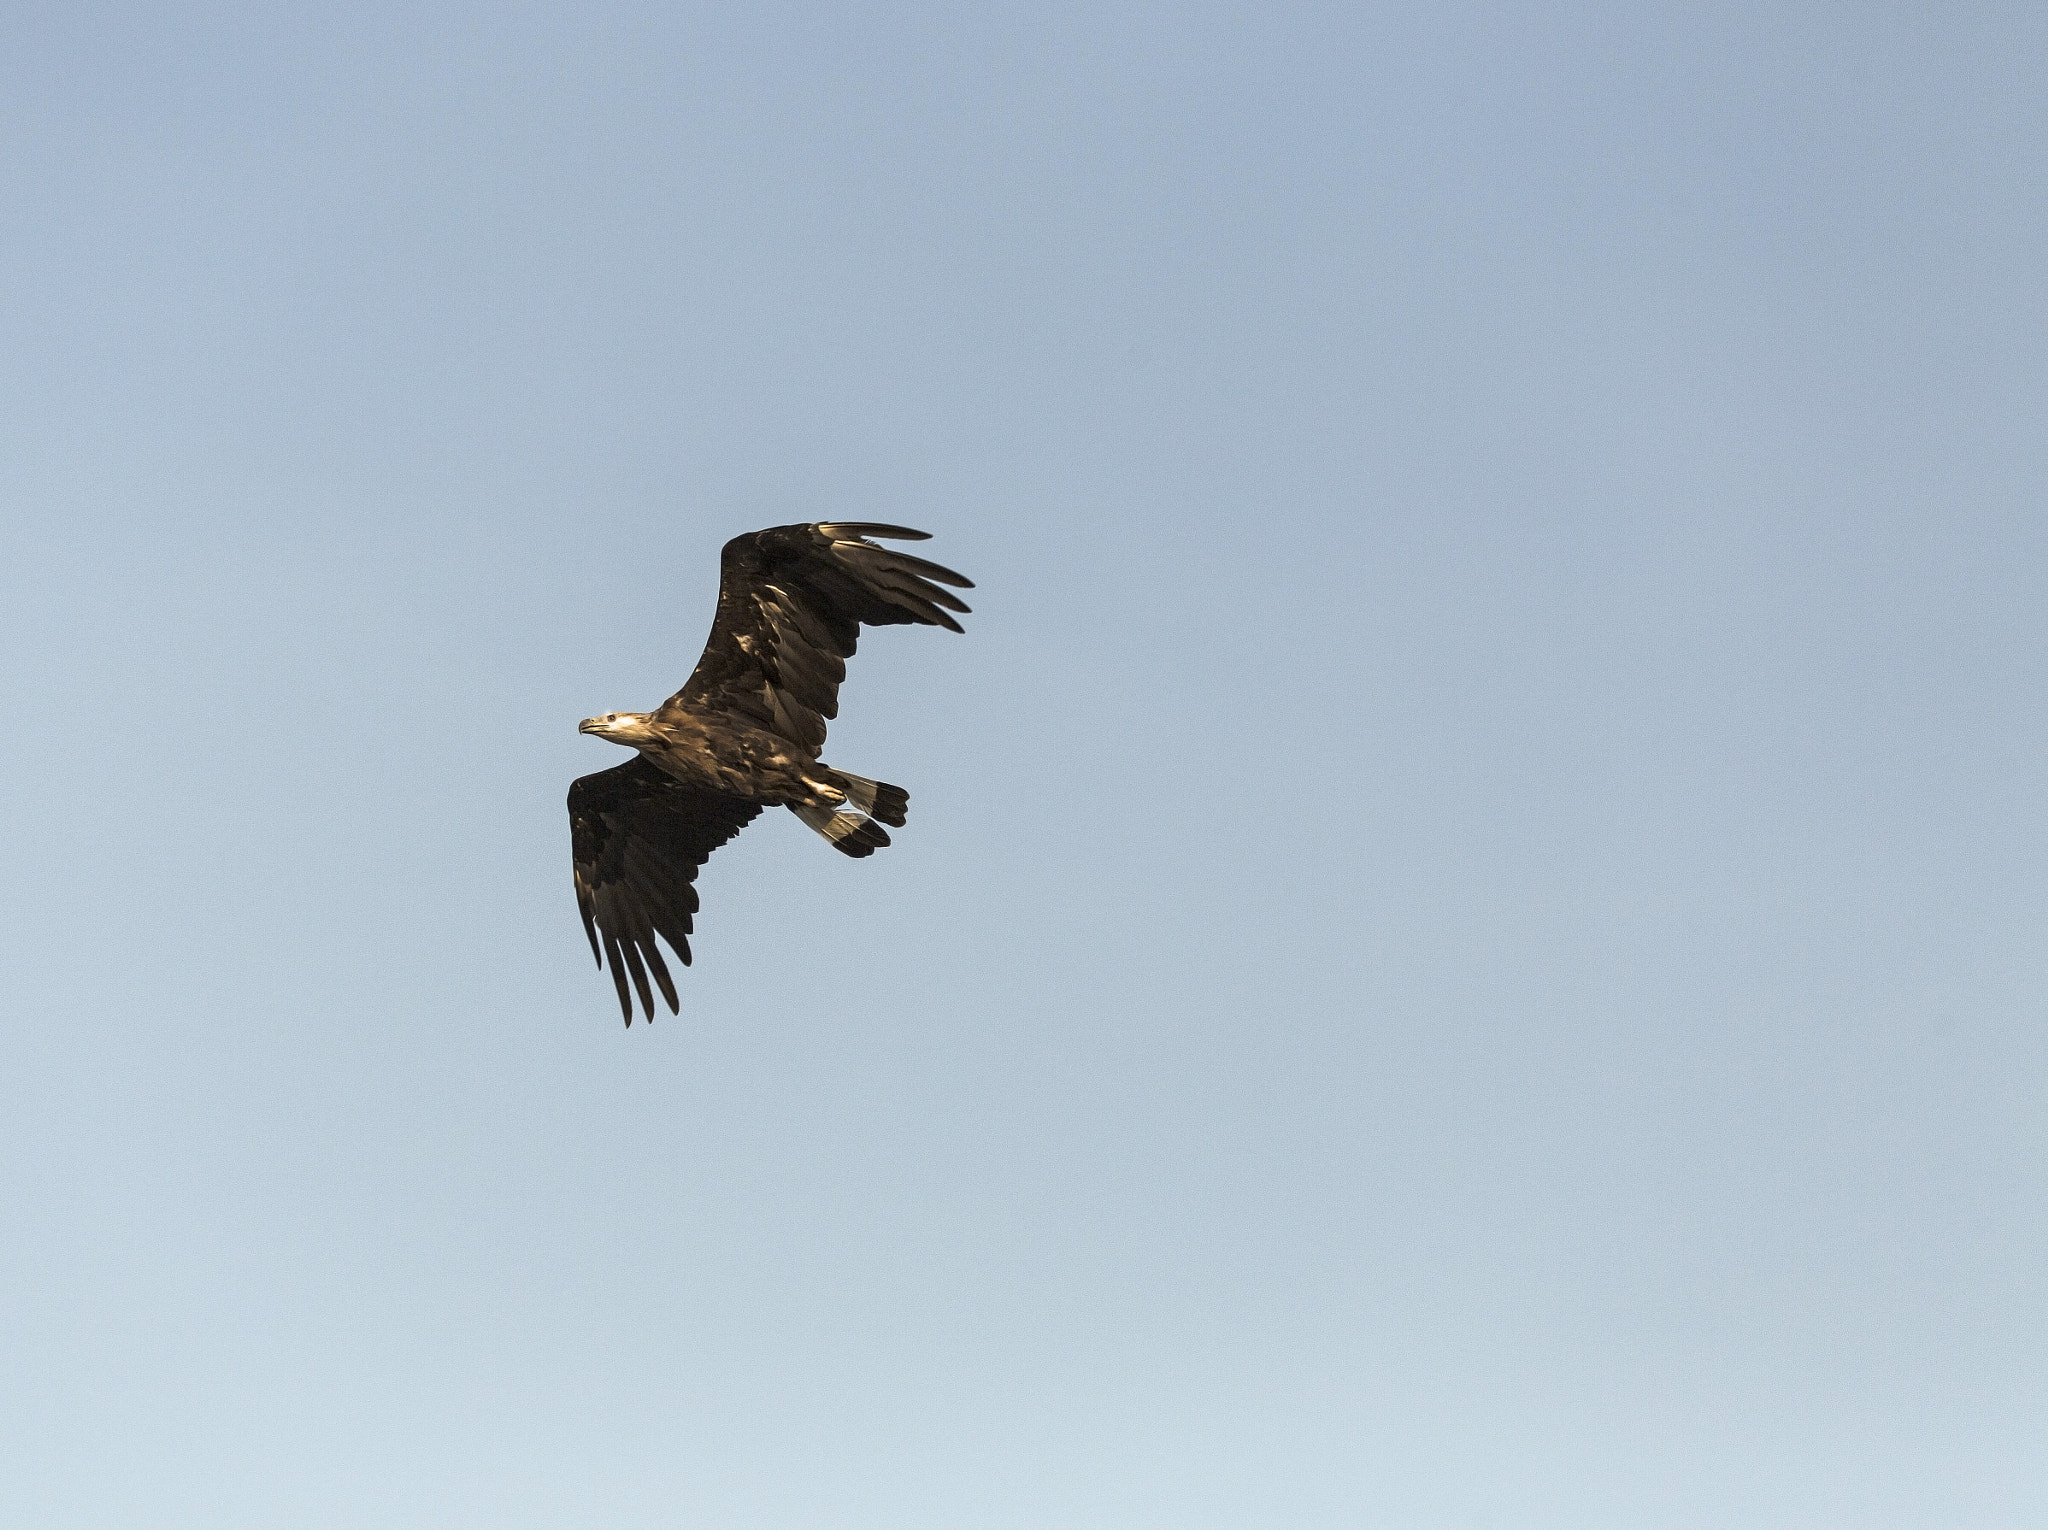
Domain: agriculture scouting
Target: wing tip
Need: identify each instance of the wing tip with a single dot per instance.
(836, 529)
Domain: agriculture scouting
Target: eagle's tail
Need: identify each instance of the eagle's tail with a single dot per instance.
(855, 826)
(889, 803)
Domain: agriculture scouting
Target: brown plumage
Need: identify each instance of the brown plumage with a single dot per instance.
(743, 734)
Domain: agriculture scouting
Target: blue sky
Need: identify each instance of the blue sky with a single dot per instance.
(1471, 943)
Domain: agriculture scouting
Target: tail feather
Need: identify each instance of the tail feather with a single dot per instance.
(889, 803)
(851, 833)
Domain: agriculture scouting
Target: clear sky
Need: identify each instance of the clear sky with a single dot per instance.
(1472, 939)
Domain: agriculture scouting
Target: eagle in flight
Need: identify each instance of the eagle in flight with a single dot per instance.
(743, 735)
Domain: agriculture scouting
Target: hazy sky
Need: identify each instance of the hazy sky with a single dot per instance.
(1471, 945)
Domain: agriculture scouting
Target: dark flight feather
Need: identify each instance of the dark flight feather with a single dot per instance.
(637, 836)
(791, 603)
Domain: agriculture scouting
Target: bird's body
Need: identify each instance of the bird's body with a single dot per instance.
(744, 734)
(749, 763)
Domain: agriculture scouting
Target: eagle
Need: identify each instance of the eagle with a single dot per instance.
(744, 734)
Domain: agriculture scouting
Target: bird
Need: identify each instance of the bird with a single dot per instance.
(744, 734)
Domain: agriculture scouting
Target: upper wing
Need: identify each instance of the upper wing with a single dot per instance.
(638, 836)
(791, 601)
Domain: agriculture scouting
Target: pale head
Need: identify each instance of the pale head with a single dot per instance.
(628, 728)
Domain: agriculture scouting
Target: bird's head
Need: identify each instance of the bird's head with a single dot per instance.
(628, 728)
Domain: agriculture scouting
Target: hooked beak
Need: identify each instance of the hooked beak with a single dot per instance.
(590, 725)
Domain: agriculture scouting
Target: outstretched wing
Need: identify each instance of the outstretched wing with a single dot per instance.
(638, 836)
(791, 602)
